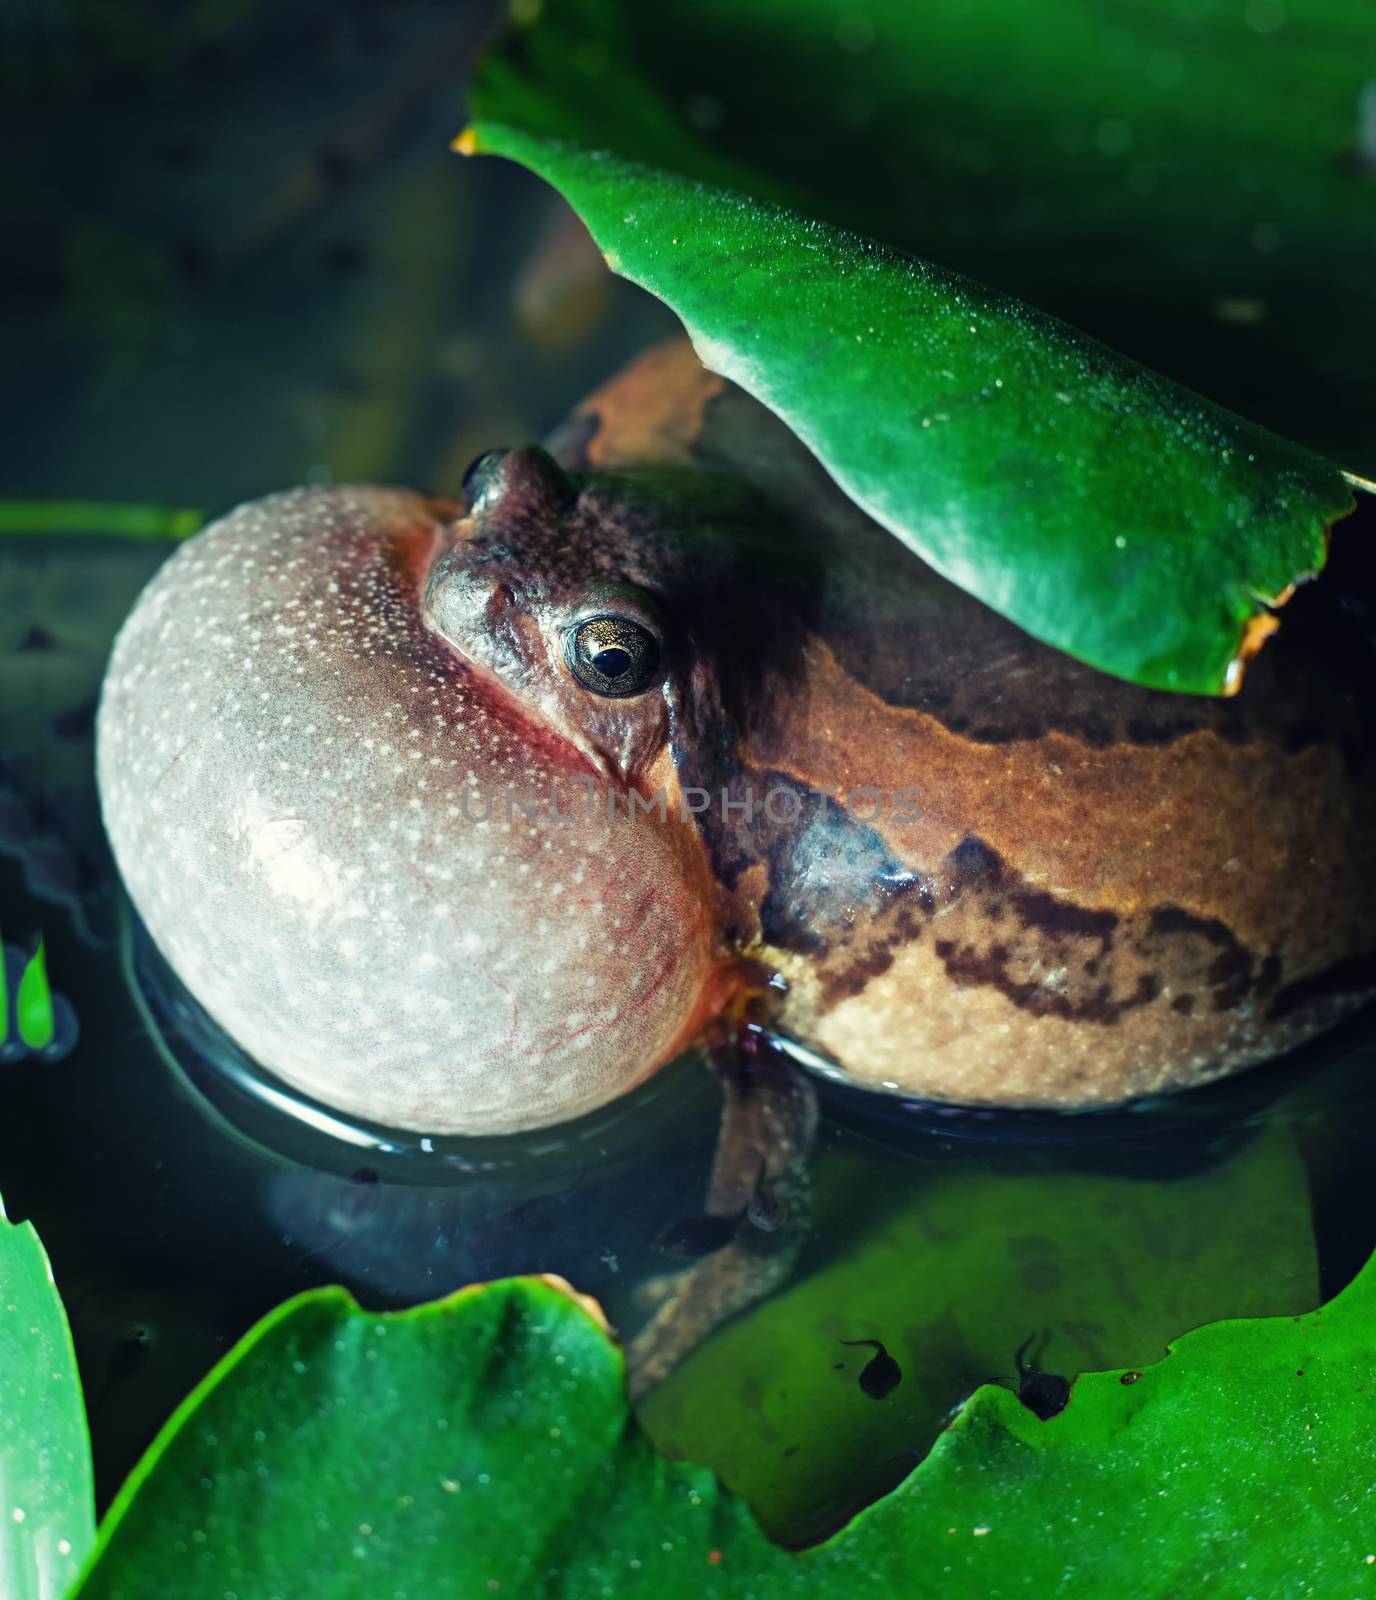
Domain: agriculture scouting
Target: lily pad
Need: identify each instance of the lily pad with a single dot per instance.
(47, 1518)
(1104, 509)
(482, 1445)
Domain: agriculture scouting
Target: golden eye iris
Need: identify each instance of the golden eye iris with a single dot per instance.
(613, 656)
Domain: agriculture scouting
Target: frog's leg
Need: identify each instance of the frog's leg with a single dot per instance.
(762, 1174)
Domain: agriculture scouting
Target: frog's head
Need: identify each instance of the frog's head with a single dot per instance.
(538, 589)
(623, 613)
(322, 734)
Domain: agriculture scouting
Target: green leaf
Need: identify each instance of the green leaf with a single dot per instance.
(477, 1445)
(1191, 181)
(1101, 507)
(482, 1445)
(33, 1004)
(47, 1520)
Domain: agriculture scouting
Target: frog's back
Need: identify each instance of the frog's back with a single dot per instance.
(1039, 885)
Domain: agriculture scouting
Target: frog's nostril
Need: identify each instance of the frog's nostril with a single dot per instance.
(480, 478)
(526, 482)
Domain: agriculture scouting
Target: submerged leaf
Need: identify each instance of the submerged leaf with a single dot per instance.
(1098, 1268)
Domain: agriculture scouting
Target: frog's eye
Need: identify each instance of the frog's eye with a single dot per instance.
(612, 656)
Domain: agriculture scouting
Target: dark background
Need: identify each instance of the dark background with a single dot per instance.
(240, 255)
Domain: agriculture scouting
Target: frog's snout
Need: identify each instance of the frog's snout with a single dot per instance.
(525, 484)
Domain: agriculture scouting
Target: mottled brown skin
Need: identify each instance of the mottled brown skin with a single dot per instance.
(1110, 891)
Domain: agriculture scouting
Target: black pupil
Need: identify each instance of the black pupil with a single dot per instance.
(612, 661)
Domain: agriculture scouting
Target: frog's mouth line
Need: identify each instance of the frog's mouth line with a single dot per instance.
(536, 727)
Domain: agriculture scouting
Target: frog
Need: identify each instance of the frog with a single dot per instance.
(649, 738)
